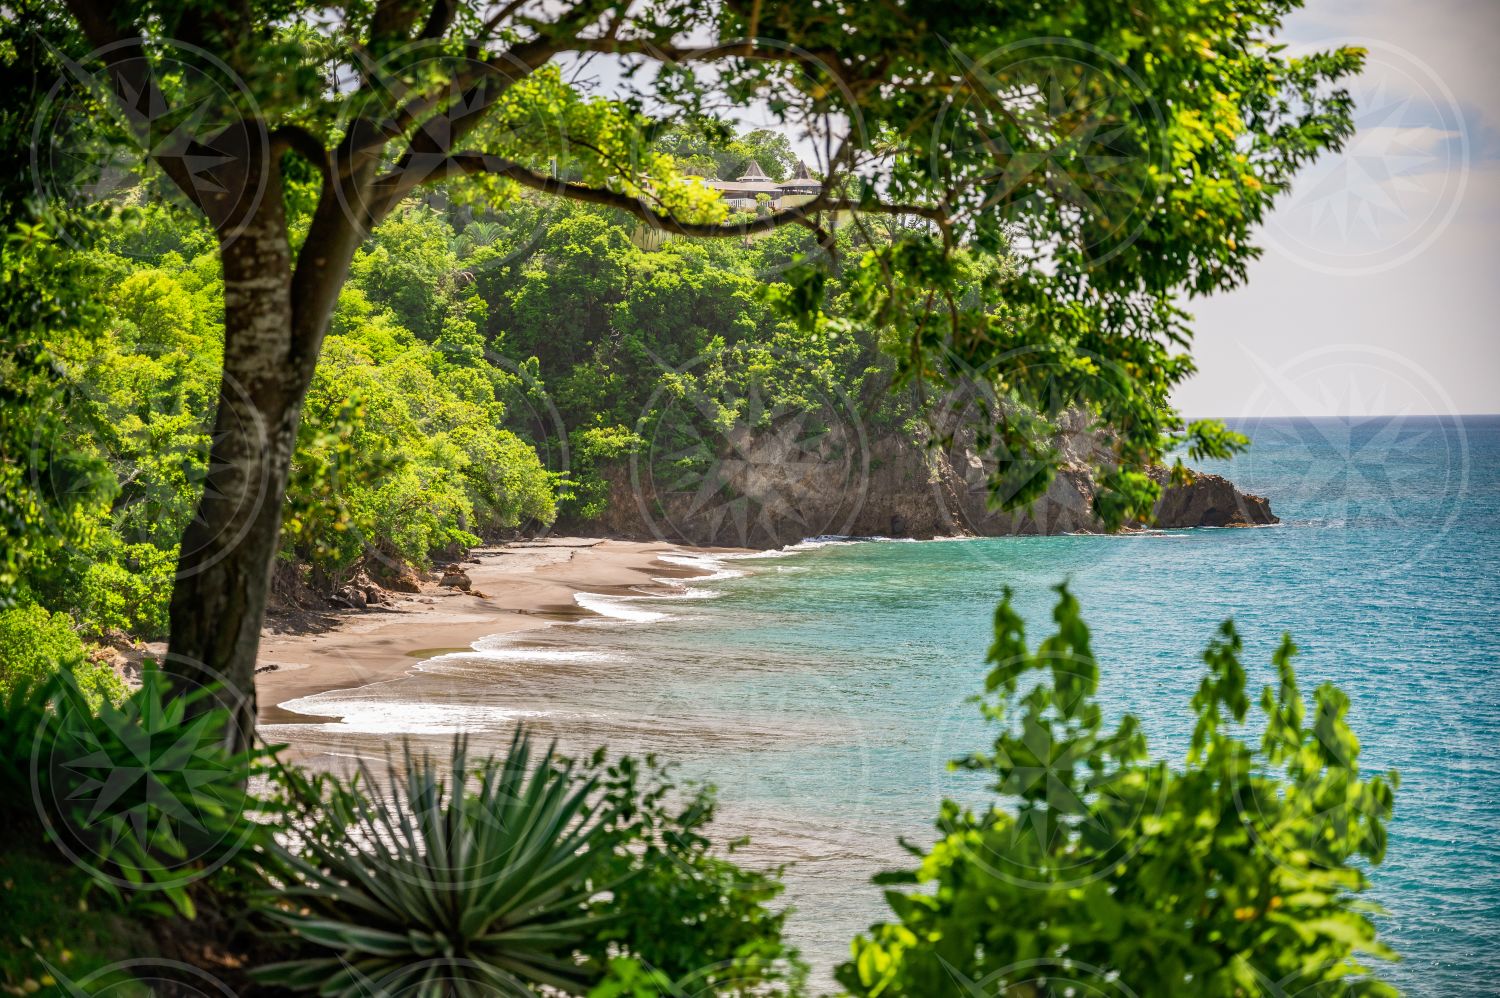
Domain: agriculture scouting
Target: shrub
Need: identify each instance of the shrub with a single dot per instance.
(592, 449)
(144, 797)
(1099, 867)
(521, 875)
(682, 911)
(34, 644)
(475, 887)
(130, 594)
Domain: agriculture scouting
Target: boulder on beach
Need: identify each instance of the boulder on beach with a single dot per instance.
(396, 578)
(455, 577)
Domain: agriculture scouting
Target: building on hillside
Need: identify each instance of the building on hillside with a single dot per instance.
(743, 193)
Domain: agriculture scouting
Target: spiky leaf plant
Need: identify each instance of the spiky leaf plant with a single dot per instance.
(474, 886)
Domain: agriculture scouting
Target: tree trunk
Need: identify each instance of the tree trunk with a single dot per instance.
(224, 567)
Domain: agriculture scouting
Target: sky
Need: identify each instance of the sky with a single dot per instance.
(1379, 290)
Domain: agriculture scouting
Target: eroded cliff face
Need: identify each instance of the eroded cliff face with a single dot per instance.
(776, 486)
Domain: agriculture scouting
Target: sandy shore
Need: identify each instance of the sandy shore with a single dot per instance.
(515, 587)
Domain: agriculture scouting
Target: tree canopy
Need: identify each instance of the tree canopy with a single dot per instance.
(1054, 182)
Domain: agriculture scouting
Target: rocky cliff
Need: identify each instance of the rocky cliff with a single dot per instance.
(775, 486)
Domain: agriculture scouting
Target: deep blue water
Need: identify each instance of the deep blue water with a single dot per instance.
(826, 688)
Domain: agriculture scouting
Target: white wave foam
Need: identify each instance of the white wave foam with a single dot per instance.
(827, 540)
(785, 552)
(520, 654)
(711, 564)
(806, 544)
(615, 607)
(823, 541)
(401, 717)
(510, 646)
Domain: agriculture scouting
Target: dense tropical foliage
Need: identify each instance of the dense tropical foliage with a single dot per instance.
(1097, 865)
(447, 378)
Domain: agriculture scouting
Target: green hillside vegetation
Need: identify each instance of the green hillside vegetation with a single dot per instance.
(464, 352)
(402, 450)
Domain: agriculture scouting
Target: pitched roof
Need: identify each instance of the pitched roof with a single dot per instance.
(799, 181)
(752, 181)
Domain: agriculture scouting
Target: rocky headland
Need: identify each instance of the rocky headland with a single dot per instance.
(769, 487)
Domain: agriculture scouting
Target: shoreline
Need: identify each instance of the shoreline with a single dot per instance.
(515, 587)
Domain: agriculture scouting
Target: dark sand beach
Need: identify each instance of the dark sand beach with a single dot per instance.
(515, 587)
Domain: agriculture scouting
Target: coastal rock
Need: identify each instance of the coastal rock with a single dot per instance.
(351, 597)
(455, 578)
(758, 495)
(117, 639)
(119, 661)
(1209, 501)
(127, 657)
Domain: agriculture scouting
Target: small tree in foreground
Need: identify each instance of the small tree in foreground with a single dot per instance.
(1104, 871)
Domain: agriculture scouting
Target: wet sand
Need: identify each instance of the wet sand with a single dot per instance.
(515, 587)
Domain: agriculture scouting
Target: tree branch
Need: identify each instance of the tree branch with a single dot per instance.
(123, 52)
(439, 20)
(392, 21)
(823, 236)
(389, 190)
(499, 17)
(302, 142)
(479, 89)
(667, 52)
(216, 27)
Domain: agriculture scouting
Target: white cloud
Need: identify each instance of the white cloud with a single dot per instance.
(1380, 267)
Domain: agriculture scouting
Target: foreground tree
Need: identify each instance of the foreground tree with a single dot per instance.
(1116, 158)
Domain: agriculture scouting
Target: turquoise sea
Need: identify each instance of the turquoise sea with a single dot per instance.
(824, 687)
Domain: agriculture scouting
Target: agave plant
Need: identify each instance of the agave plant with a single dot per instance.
(473, 887)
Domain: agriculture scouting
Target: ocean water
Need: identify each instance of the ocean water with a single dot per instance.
(823, 688)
